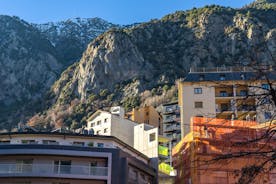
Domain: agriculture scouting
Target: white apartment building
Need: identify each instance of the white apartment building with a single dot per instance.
(66, 158)
(142, 137)
(225, 93)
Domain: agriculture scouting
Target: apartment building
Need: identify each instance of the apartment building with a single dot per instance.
(62, 158)
(195, 157)
(146, 114)
(142, 137)
(227, 93)
(170, 127)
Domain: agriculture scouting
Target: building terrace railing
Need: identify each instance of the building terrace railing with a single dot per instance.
(51, 170)
(230, 69)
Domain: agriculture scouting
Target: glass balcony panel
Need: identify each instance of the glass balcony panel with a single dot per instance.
(42, 170)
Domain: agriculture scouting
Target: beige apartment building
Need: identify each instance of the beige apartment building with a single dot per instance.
(225, 93)
(146, 114)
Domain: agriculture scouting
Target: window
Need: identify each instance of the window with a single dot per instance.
(265, 86)
(28, 142)
(62, 166)
(5, 142)
(243, 93)
(51, 142)
(100, 145)
(197, 90)
(222, 77)
(105, 120)
(93, 168)
(78, 143)
(99, 122)
(25, 165)
(242, 76)
(90, 144)
(92, 124)
(98, 132)
(201, 77)
(223, 93)
(267, 115)
(198, 104)
(94, 164)
(224, 107)
(105, 130)
(152, 137)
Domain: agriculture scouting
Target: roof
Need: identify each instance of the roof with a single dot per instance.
(170, 103)
(226, 76)
(103, 137)
(97, 113)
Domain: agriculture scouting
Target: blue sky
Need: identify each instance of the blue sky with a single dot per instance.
(115, 11)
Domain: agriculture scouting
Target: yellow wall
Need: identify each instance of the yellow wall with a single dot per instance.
(147, 115)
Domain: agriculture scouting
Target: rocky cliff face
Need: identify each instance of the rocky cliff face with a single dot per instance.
(161, 51)
(28, 65)
(32, 59)
(123, 63)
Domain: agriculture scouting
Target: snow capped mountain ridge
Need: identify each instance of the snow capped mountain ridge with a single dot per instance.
(87, 28)
(73, 35)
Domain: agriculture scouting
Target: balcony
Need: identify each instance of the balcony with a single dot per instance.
(172, 128)
(168, 119)
(225, 110)
(51, 170)
(171, 110)
(224, 95)
(247, 108)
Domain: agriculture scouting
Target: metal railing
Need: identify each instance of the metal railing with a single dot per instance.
(221, 69)
(51, 170)
(172, 128)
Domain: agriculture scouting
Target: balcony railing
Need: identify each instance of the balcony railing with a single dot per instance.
(247, 108)
(51, 170)
(225, 109)
(224, 95)
(172, 128)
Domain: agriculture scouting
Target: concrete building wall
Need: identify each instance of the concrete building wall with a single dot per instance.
(147, 115)
(123, 129)
(127, 131)
(146, 141)
(188, 100)
(101, 124)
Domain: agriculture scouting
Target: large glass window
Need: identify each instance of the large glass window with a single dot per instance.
(24, 166)
(62, 166)
(51, 142)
